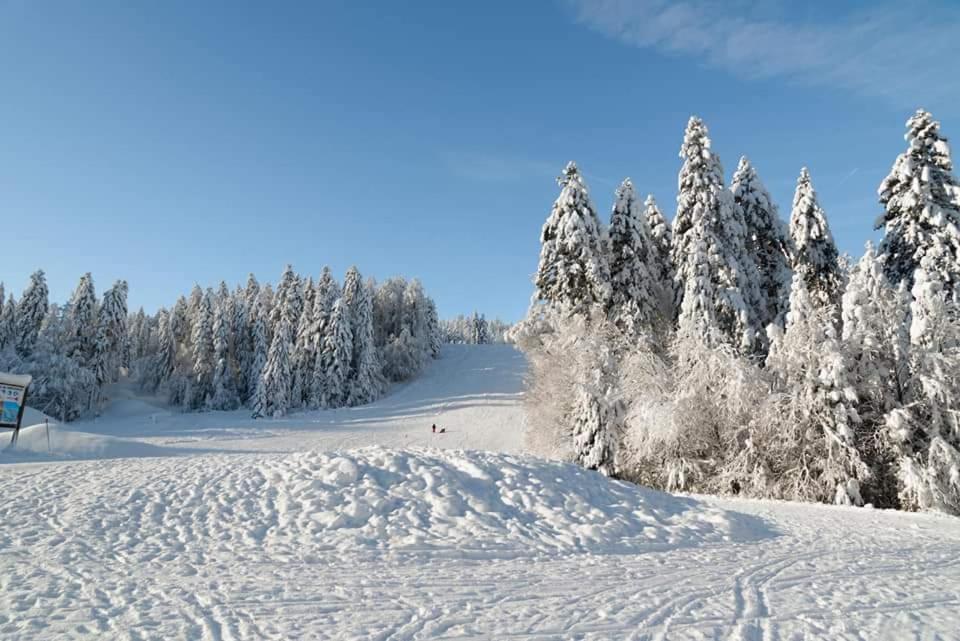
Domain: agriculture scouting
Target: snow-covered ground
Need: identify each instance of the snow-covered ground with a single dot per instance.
(355, 524)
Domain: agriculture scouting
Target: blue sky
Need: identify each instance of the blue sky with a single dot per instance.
(177, 142)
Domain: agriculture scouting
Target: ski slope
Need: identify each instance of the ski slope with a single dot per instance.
(362, 524)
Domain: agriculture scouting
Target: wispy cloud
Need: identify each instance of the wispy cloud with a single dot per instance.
(903, 52)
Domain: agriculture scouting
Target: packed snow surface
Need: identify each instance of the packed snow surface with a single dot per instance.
(148, 524)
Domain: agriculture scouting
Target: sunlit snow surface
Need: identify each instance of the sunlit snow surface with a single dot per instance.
(148, 524)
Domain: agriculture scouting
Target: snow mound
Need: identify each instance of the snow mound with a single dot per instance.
(461, 504)
(34, 446)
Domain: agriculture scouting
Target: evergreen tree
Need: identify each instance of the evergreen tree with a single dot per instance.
(287, 299)
(31, 311)
(479, 329)
(276, 377)
(922, 208)
(598, 411)
(8, 323)
(708, 250)
(875, 317)
(203, 352)
(433, 329)
(336, 354)
(111, 333)
(166, 357)
(925, 432)
(364, 381)
(635, 303)
(304, 352)
(180, 321)
(766, 244)
(224, 395)
(659, 264)
(261, 345)
(573, 270)
(814, 449)
(82, 321)
(815, 255)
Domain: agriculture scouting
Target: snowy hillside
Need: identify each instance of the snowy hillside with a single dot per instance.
(351, 524)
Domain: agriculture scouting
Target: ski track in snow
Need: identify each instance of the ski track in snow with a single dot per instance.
(215, 527)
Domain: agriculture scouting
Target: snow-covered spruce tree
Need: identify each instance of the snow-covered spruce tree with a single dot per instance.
(364, 381)
(433, 329)
(81, 321)
(574, 409)
(203, 353)
(876, 341)
(635, 299)
(260, 340)
(479, 329)
(815, 255)
(925, 432)
(573, 271)
(708, 250)
(165, 360)
(922, 208)
(31, 311)
(277, 377)
(303, 354)
(8, 324)
(241, 339)
(598, 409)
(328, 291)
(335, 357)
(111, 333)
(767, 243)
(808, 441)
(224, 395)
(61, 386)
(180, 321)
(660, 264)
(288, 297)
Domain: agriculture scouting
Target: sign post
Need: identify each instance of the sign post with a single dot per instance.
(13, 400)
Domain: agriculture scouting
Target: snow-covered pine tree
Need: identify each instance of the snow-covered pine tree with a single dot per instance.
(111, 333)
(479, 329)
(598, 411)
(81, 321)
(815, 255)
(286, 296)
(203, 353)
(925, 431)
(224, 395)
(433, 329)
(31, 311)
(180, 321)
(875, 317)
(165, 360)
(573, 271)
(635, 301)
(277, 377)
(328, 291)
(809, 442)
(303, 355)
(138, 333)
(767, 243)
(240, 340)
(8, 323)
(660, 264)
(365, 381)
(708, 250)
(260, 341)
(335, 357)
(922, 208)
